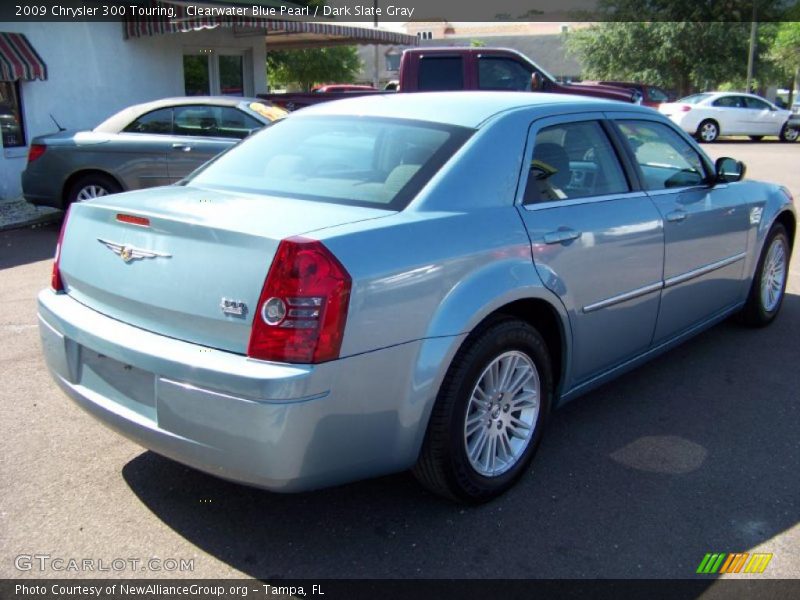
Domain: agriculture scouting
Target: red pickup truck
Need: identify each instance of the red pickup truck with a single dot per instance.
(449, 69)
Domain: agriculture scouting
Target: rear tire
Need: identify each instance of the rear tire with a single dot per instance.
(90, 186)
(489, 414)
(769, 283)
(707, 131)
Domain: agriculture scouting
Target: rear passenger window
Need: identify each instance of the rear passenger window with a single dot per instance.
(441, 73)
(157, 121)
(665, 158)
(573, 160)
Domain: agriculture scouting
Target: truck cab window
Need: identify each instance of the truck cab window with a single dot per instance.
(441, 73)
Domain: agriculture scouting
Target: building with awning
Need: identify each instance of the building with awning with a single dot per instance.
(73, 74)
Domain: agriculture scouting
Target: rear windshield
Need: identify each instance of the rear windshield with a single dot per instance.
(361, 161)
(694, 98)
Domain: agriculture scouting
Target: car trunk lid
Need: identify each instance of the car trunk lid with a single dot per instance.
(185, 262)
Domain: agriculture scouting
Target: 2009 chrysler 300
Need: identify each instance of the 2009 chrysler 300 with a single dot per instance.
(409, 281)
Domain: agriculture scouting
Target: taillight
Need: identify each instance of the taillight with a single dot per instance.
(35, 151)
(685, 108)
(302, 309)
(55, 277)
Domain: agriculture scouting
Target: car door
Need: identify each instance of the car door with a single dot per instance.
(766, 120)
(596, 239)
(200, 134)
(731, 114)
(138, 153)
(705, 225)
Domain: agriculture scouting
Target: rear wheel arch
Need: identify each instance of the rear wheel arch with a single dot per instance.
(77, 175)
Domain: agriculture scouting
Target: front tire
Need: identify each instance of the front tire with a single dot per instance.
(769, 283)
(789, 134)
(489, 414)
(708, 131)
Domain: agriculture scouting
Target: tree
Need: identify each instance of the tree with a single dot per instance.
(680, 44)
(786, 51)
(308, 67)
(684, 56)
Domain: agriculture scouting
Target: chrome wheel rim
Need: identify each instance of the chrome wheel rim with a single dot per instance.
(790, 135)
(502, 413)
(88, 192)
(773, 276)
(708, 132)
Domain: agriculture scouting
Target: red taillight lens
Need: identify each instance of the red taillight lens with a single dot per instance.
(55, 277)
(685, 108)
(35, 151)
(302, 310)
(133, 220)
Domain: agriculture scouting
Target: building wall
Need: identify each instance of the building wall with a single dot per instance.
(93, 72)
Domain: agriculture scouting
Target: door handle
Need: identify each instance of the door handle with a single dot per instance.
(561, 236)
(184, 147)
(677, 215)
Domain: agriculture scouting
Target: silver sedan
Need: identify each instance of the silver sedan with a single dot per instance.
(156, 143)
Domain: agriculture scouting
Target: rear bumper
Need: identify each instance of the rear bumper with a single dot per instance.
(41, 190)
(280, 427)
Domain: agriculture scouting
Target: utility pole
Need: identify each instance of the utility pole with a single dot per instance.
(375, 68)
(752, 54)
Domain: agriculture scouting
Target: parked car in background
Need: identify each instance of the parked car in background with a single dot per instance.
(367, 287)
(652, 95)
(342, 87)
(150, 144)
(709, 115)
(461, 69)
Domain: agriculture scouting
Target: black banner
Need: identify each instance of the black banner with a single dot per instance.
(519, 589)
(400, 11)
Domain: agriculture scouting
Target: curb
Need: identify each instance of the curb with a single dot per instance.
(28, 215)
(34, 222)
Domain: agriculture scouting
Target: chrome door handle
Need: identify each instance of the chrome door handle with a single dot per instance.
(184, 147)
(558, 237)
(677, 215)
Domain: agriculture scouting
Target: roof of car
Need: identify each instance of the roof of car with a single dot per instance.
(465, 109)
(119, 120)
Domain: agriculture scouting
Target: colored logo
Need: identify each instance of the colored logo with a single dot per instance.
(739, 562)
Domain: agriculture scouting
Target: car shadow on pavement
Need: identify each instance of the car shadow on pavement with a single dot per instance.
(32, 244)
(692, 453)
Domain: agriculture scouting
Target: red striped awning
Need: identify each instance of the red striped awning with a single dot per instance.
(18, 59)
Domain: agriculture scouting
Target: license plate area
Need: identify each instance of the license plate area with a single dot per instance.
(125, 384)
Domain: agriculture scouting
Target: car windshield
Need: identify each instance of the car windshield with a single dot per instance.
(345, 160)
(694, 98)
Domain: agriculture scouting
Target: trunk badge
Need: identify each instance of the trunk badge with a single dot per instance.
(235, 308)
(129, 253)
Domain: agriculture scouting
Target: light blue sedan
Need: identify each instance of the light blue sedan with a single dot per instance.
(405, 281)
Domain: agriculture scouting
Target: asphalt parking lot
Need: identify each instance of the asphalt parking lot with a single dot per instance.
(693, 453)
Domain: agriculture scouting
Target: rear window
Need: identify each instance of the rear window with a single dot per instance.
(694, 98)
(345, 160)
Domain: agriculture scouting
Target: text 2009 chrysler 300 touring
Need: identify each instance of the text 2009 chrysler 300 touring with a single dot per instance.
(409, 281)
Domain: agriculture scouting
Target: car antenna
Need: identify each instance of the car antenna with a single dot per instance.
(60, 128)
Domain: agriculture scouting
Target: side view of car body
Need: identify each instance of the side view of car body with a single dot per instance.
(146, 145)
(372, 286)
(652, 95)
(712, 114)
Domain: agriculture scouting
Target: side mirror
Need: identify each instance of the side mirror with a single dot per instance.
(537, 82)
(729, 170)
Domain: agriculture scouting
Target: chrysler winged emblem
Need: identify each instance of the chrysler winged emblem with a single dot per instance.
(129, 253)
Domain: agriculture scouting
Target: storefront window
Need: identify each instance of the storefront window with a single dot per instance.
(196, 77)
(231, 75)
(11, 125)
